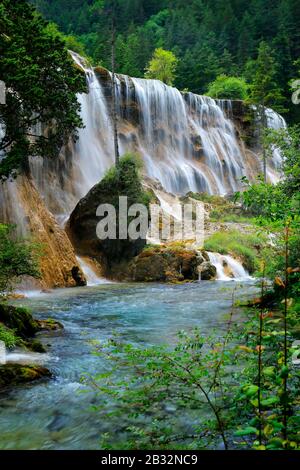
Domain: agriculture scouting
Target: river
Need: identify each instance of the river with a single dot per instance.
(54, 414)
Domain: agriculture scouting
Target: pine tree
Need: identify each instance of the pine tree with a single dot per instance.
(265, 91)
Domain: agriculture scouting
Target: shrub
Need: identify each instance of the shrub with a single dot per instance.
(162, 66)
(225, 87)
(8, 337)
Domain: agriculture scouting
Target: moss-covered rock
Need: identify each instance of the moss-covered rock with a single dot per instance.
(19, 320)
(49, 325)
(121, 181)
(36, 346)
(14, 374)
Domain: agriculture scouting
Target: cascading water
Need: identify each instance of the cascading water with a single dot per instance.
(228, 268)
(91, 276)
(276, 122)
(187, 141)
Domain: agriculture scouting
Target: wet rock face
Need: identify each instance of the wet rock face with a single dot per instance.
(21, 204)
(207, 271)
(165, 264)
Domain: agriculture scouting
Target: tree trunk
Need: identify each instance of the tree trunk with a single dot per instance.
(262, 132)
(114, 110)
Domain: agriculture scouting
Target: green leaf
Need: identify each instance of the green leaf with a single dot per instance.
(284, 372)
(250, 390)
(269, 371)
(246, 431)
(269, 401)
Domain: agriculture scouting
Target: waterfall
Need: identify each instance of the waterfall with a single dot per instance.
(276, 122)
(188, 142)
(91, 276)
(228, 268)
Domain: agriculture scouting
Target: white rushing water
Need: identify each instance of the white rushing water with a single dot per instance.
(188, 142)
(228, 268)
(91, 276)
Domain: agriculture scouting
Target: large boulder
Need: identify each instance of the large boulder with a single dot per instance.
(82, 225)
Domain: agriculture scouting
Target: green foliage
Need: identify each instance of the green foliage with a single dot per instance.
(277, 203)
(277, 207)
(162, 66)
(161, 384)
(207, 40)
(288, 141)
(17, 258)
(264, 90)
(232, 388)
(126, 181)
(41, 85)
(264, 199)
(225, 87)
(70, 41)
(8, 337)
(242, 245)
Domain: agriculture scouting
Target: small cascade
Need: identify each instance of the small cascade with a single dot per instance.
(24, 357)
(92, 278)
(2, 353)
(228, 268)
(19, 356)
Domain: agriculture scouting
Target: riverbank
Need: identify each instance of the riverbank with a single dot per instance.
(18, 331)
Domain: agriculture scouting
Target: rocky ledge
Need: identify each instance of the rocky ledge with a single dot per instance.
(166, 263)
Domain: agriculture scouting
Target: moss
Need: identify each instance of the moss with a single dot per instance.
(50, 325)
(225, 215)
(19, 320)
(14, 374)
(204, 197)
(35, 346)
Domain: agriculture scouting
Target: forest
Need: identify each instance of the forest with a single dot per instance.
(150, 228)
(209, 37)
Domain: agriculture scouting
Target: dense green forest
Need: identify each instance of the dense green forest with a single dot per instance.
(209, 37)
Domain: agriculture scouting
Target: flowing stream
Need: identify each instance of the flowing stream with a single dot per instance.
(53, 414)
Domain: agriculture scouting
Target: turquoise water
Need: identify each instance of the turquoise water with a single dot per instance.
(53, 414)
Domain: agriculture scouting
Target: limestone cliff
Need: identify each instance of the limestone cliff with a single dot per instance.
(20, 203)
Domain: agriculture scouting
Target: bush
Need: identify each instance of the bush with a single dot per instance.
(232, 88)
(8, 337)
